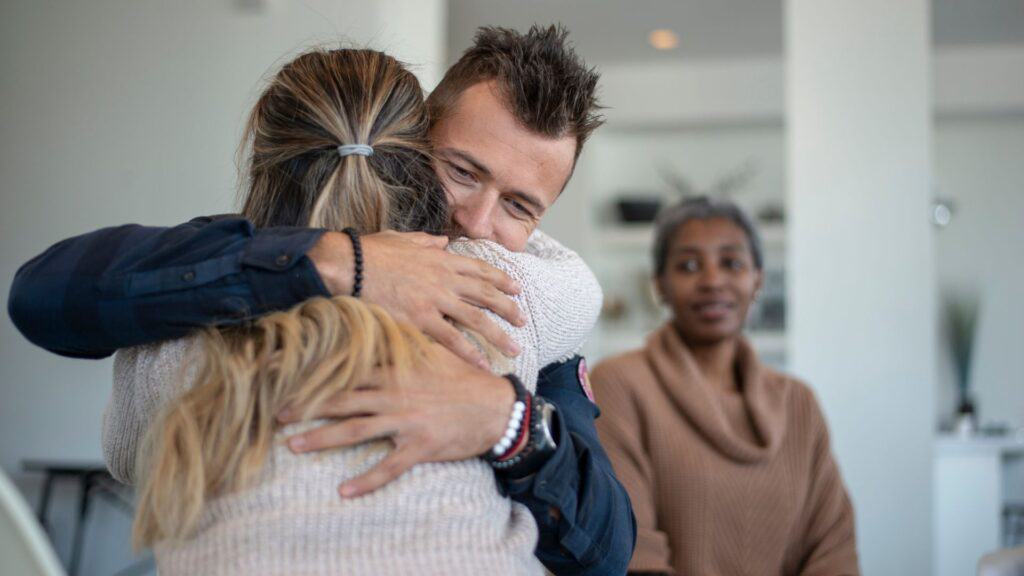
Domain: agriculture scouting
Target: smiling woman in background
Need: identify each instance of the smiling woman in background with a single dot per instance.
(727, 462)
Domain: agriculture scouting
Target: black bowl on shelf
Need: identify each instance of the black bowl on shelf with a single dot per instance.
(638, 210)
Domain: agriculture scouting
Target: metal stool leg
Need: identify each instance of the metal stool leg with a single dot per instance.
(44, 502)
(83, 510)
(1018, 529)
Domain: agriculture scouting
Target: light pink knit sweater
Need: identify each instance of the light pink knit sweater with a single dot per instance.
(442, 518)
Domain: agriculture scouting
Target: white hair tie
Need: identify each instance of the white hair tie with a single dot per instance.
(360, 149)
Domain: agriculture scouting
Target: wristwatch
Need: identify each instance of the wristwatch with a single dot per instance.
(540, 446)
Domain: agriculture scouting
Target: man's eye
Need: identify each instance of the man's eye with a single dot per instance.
(518, 208)
(461, 174)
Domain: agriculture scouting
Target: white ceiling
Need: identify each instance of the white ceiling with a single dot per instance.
(608, 31)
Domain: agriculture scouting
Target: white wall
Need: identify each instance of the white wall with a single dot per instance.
(862, 278)
(964, 80)
(120, 111)
(978, 165)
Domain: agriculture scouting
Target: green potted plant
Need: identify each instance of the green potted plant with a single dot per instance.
(961, 328)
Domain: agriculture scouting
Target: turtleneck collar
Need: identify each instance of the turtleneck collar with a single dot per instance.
(763, 395)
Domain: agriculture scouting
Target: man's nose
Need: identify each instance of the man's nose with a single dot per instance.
(475, 219)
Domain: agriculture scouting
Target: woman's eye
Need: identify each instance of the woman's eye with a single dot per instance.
(688, 266)
(734, 264)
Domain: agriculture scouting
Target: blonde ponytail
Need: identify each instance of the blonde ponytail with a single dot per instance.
(323, 99)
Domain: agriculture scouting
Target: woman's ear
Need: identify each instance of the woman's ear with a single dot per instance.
(758, 285)
(658, 292)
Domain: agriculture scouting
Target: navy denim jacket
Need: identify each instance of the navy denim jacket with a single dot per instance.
(87, 296)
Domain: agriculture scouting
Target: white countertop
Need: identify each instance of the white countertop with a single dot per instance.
(953, 444)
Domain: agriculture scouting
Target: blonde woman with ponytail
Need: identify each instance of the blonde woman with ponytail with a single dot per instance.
(338, 139)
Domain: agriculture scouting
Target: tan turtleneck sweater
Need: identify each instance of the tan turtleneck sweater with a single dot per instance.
(723, 483)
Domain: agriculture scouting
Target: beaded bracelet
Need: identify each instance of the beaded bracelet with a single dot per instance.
(357, 248)
(534, 426)
(514, 432)
(523, 434)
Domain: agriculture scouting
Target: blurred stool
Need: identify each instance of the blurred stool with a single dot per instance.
(93, 480)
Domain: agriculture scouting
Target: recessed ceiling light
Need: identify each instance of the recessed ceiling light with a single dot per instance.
(663, 39)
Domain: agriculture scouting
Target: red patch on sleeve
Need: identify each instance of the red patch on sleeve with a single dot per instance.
(584, 378)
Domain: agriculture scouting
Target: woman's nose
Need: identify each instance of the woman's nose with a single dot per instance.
(711, 277)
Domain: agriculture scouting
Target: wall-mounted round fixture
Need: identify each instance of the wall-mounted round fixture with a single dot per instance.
(942, 212)
(663, 39)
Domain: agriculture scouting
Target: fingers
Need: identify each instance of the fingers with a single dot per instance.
(344, 433)
(483, 271)
(427, 240)
(391, 467)
(476, 320)
(485, 295)
(449, 337)
(351, 402)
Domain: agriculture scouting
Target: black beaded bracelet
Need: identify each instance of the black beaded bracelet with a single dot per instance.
(357, 248)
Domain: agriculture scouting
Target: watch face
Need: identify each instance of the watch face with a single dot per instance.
(547, 413)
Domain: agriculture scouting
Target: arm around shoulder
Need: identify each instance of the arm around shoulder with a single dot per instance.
(89, 295)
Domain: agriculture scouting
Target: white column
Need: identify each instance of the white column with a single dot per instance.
(861, 267)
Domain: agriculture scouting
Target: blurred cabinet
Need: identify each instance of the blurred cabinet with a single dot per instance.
(973, 480)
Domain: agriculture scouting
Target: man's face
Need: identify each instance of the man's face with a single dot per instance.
(500, 177)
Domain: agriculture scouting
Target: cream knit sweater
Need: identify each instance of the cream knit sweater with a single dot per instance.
(439, 518)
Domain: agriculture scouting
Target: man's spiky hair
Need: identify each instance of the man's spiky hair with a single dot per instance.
(546, 85)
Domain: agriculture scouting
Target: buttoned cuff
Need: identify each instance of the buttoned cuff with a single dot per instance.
(279, 270)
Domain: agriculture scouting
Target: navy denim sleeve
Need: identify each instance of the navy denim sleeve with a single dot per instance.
(87, 296)
(595, 530)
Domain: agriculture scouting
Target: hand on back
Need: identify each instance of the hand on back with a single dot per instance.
(441, 410)
(410, 275)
